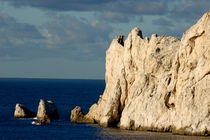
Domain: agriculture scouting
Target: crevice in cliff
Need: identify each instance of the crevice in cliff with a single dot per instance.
(167, 98)
(208, 73)
(169, 80)
(204, 76)
(120, 109)
(120, 39)
(126, 87)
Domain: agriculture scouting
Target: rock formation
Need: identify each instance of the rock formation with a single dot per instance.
(79, 117)
(41, 122)
(157, 84)
(47, 111)
(22, 112)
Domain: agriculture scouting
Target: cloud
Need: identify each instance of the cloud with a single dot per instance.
(15, 36)
(63, 36)
(114, 11)
(162, 22)
(117, 17)
(189, 9)
(61, 5)
(70, 28)
(87, 39)
(10, 28)
(114, 17)
(126, 6)
(81, 39)
(123, 10)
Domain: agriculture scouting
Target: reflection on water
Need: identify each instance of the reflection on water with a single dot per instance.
(114, 133)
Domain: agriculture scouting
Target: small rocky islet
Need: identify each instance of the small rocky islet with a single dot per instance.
(158, 84)
(22, 112)
(46, 112)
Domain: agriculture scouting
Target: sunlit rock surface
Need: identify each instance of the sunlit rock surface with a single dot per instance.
(22, 112)
(158, 84)
(77, 116)
(47, 111)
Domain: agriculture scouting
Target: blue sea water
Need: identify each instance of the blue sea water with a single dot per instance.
(66, 94)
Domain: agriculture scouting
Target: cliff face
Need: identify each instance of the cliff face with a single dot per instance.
(160, 84)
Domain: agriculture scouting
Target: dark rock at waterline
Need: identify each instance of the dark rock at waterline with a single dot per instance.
(41, 122)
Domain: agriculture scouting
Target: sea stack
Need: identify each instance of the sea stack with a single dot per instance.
(22, 112)
(158, 84)
(47, 111)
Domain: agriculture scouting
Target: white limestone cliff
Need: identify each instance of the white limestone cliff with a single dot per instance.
(158, 84)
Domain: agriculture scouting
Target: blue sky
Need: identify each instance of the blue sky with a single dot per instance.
(68, 38)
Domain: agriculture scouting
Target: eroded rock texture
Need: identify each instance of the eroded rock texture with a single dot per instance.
(159, 84)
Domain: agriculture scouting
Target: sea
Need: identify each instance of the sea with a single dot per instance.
(66, 94)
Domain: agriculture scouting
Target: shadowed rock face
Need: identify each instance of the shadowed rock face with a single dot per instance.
(47, 111)
(158, 84)
(22, 112)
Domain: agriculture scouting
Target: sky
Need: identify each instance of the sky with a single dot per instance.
(69, 38)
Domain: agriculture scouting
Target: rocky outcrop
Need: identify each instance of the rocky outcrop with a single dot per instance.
(22, 112)
(41, 122)
(77, 116)
(47, 111)
(158, 84)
